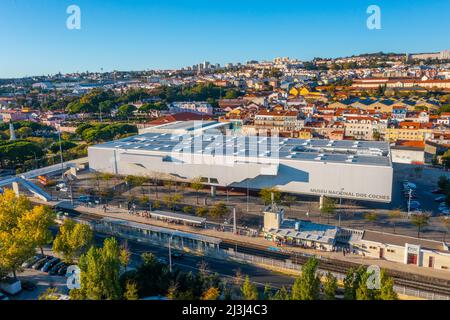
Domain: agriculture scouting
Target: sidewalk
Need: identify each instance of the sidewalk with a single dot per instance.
(123, 214)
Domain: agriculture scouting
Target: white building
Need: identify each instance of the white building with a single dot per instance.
(196, 107)
(360, 170)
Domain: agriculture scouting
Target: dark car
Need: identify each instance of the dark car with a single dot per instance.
(54, 270)
(437, 191)
(28, 285)
(40, 263)
(63, 270)
(177, 255)
(49, 264)
(31, 261)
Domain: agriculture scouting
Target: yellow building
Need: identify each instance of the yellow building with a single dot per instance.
(408, 131)
(294, 92)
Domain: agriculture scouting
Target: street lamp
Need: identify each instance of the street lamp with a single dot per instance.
(340, 206)
(170, 252)
(60, 151)
(409, 201)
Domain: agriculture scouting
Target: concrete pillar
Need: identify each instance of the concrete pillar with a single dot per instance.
(15, 187)
(322, 198)
(213, 191)
(73, 171)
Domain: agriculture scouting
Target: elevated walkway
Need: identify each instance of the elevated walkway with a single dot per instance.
(34, 189)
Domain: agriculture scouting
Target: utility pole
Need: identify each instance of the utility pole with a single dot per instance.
(60, 151)
(340, 207)
(170, 253)
(234, 221)
(409, 201)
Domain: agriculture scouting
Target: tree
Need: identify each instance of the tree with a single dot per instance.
(281, 294)
(371, 216)
(267, 294)
(307, 286)
(151, 276)
(202, 211)
(446, 159)
(49, 294)
(330, 286)
(362, 291)
(72, 239)
(16, 244)
(420, 220)
(443, 182)
(197, 185)
(172, 200)
(219, 210)
(100, 271)
(187, 209)
(24, 132)
(37, 223)
(445, 222)
(266, 195)
(249, 290)
(328, 207)
(126, 111)
(351, 282)
(211, 294)
(387, 291)
(395, 215)
(131, 291)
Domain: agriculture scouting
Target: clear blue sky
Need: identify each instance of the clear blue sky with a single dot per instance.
(139, 34)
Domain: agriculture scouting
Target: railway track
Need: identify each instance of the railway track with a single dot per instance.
(411, 281)
(408, 280)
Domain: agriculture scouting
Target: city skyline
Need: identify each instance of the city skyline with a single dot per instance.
(38, 42)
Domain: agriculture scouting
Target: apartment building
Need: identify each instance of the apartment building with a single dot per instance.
(414, 131)
(364, 127)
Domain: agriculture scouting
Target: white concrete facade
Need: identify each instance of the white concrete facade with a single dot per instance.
(339, 169)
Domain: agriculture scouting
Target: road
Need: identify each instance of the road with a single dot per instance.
(225, 268)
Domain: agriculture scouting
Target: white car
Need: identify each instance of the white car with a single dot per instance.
(443, 205)
(440, 199)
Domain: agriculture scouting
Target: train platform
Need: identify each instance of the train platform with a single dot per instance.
(120, 213)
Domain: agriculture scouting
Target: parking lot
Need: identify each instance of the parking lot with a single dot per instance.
(34, 281)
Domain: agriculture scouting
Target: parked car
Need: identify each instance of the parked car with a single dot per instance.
(437, 191)
(163, 261)
(83, 198)
(49, 264)
(54, 270)
(28, 285)
(31, 261)
(414, 205)
(177, 255)
(40, 263)
(409, 185)
(63, 270)
(3, 297)
(440, 199)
